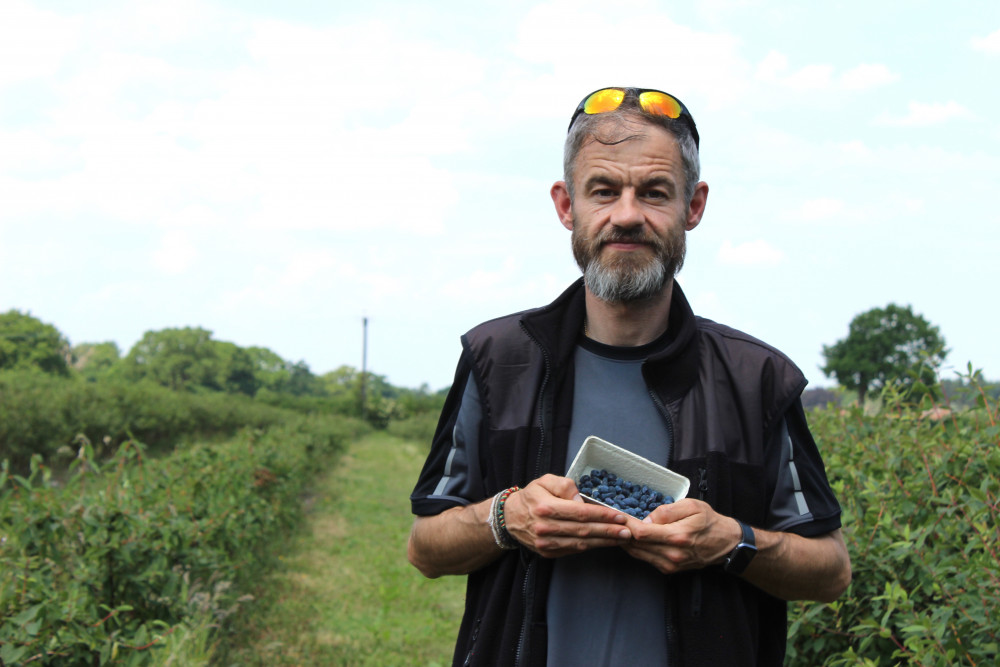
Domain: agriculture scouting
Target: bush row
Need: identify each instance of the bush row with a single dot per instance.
(39, 414)
(920, 501)
(104, 568)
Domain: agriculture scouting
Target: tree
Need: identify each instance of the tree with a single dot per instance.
(27, 342)
(237, 369)
(885, 345)
(269, 368)
(302, 382)
(96, 360)
(181, 359)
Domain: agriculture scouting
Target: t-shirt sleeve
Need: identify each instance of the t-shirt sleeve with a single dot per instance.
(803, 502)
(451, 475)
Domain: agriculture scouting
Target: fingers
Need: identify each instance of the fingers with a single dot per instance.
(687, 535)
(677, 511)
(548, 517)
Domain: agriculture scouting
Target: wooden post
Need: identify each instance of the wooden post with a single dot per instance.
(364, 365)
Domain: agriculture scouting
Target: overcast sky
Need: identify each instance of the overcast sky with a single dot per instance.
(276, 171)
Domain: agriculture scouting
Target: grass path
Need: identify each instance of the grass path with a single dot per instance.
(345, 594)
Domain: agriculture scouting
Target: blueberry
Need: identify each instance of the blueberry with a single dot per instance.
(637, 500)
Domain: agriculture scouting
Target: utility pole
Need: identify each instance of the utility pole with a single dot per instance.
(364, 364)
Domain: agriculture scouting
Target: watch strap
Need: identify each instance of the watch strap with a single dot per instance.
(739, 558)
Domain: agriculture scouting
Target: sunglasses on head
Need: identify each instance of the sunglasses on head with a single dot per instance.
(653, 102)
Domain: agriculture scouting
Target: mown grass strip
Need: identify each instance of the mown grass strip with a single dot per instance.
(345, 594)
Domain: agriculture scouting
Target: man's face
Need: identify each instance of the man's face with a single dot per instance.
(629, 216)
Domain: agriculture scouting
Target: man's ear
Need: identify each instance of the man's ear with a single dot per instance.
(697, 207)
(563, 203)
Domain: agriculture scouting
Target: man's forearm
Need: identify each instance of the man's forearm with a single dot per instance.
(456, 541)
(792, 567)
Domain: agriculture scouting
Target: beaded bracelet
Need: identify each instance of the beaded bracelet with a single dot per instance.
(497, 522)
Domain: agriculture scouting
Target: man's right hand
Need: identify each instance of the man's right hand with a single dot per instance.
(550, 517)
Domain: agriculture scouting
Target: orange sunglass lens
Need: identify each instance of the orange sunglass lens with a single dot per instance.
(603, 101)
(660, 104)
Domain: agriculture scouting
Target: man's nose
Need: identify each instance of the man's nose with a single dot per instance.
(626, 211)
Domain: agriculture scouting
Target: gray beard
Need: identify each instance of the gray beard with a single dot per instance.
(624, 279)
(618, 284)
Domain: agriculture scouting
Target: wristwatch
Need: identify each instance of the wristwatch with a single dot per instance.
(740, 557)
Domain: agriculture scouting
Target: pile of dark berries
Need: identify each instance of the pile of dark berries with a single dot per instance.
(633, 499)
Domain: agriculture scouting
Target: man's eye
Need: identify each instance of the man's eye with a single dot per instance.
(604, 192)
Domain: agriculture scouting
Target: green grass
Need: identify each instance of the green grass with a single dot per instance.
(345, 593)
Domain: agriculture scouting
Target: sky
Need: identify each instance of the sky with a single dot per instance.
(276, 172)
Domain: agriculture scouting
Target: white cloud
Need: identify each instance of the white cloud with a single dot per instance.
(855, 149)
(751, 253)
(175, 254)
(707, 303)
(632, 40)
(864, 77)
(775, 69)
(822, 208)
(988, 44)
(33, 43)
(889, 207)
(471, 287)
(923, 115)
(300, 138)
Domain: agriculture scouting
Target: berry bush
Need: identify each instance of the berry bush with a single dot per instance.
(103, 567)
(920, 499)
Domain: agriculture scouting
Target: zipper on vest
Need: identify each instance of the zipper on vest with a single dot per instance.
(528, 601)
(543, 408)
(472, 643)
(696, 584)
(670, 424)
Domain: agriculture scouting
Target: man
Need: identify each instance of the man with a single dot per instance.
(553, 580)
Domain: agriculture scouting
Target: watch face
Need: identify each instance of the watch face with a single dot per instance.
(740, 558)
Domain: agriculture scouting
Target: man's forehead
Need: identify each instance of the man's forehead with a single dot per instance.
(618, 128)
(654, 148)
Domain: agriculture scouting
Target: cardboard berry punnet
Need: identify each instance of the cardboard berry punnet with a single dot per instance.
(598, 454)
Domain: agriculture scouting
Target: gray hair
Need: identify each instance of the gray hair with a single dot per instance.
(622, 124)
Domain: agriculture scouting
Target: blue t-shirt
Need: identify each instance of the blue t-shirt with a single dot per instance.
(605, 607)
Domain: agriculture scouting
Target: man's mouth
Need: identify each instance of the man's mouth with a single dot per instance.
(625, 243)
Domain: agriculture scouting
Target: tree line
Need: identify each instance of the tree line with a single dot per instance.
(885, 347)
(175, 385)
(190, 360)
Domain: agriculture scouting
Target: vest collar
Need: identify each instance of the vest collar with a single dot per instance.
(557, 326)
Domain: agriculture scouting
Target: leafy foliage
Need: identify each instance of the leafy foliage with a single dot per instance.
(28, 343)
(920, 500)
(885, 345)
(43, 415)
(96, 360)
(102, 570)
(181, 359)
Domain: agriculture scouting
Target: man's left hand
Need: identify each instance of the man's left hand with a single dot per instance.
(685, 535)
(689, 535)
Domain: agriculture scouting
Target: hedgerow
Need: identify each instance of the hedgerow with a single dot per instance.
(39, 414)
(103, 568)
(920, 501)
